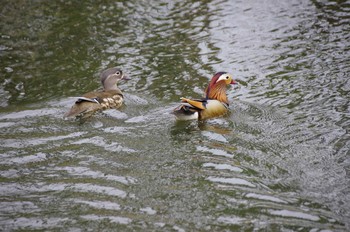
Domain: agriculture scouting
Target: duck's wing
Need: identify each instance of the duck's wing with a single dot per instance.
(189, 109)
(199, 104)
(98, 97)
(85, 99)
(85, 105)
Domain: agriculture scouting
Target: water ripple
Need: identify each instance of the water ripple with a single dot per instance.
(231, 181)
(217, 152)
(100, 204)
(86, 172)
(113, 219)
(287, 213)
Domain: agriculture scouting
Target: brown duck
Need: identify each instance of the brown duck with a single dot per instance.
(109, 98)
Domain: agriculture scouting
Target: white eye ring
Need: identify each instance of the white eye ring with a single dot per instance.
(118, 73)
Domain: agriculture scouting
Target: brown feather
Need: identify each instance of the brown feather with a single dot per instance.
(217, 91)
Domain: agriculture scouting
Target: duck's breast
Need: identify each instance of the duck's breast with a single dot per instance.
(112, 101)
(214, 108)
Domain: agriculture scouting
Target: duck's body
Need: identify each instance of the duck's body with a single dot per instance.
(215, 103)
(91, 102)
(109, 98)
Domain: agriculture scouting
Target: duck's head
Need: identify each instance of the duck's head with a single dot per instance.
(222, 76)
(219, 81)
(111, 77)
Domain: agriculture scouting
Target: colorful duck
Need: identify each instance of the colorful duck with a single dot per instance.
(214, 104)
(109, 98)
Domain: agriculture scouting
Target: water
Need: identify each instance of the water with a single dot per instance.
(278, 162)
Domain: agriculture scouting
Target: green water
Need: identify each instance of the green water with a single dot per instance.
(279, 161)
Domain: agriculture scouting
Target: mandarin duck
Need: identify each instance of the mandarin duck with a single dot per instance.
(109, 98)
(214, 104)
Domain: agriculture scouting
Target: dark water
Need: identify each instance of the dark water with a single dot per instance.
(279, 162)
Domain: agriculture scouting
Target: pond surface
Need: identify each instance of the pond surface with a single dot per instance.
(279, 162)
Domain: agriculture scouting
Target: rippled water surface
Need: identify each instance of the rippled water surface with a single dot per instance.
(279, 162)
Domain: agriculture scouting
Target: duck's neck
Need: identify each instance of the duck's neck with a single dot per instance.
(217, 92)
(110, 87)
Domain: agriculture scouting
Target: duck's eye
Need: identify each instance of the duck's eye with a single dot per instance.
(227, 77)
(118, 73)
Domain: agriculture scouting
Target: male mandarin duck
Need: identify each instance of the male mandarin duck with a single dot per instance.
(109, 98)
(214, 104)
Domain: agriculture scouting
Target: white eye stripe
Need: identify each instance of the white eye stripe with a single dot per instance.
(223, 77)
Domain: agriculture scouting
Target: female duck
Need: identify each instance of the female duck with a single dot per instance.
(214, 104)
(109, 98)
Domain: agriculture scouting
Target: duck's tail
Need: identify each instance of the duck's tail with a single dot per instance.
(83, 108)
